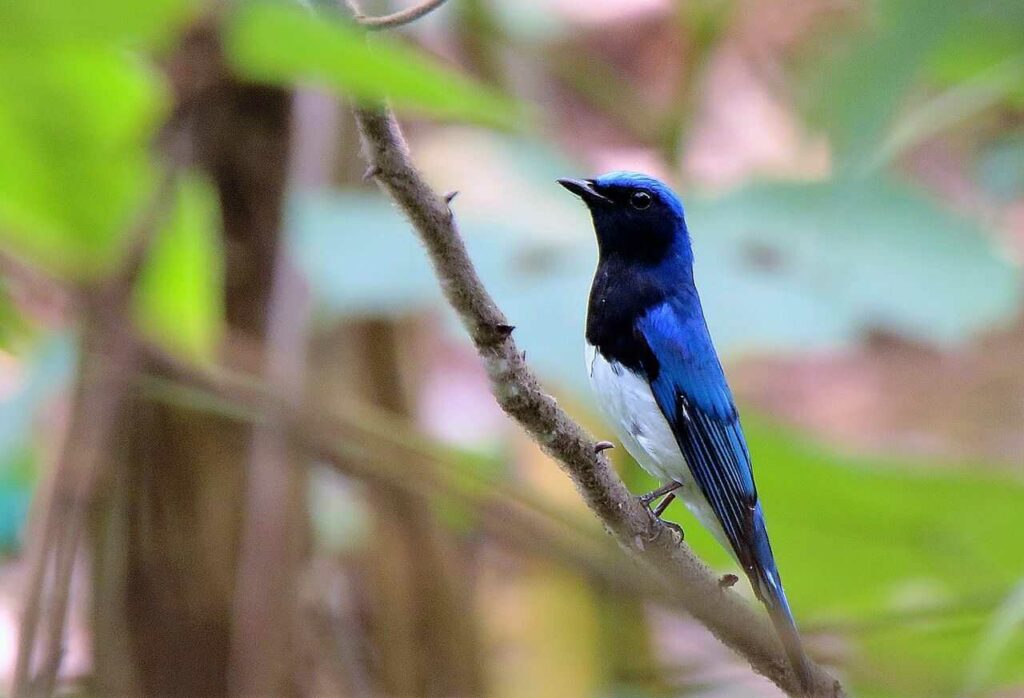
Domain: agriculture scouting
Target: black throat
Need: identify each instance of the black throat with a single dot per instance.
(622, 292)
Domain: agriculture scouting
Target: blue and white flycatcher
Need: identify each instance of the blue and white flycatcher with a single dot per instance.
(659, 381)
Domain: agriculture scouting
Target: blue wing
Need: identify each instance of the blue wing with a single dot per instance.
(689, 385)
(688, 382)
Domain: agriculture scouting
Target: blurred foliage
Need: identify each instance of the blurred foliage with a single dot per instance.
(834, 261)
(909, 564)
(13, 324)
(915, 567)
(45, 373)
(1000, 169)
(859, 93)
(179, 299)
(96, 25)
(97, 103)
(284, 45)
(79, 109)
(864, 539)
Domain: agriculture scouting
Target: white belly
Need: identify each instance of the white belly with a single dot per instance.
(629, 406)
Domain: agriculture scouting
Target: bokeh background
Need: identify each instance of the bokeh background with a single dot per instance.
(853, 175)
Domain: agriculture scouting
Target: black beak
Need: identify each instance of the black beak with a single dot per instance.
(584, 188)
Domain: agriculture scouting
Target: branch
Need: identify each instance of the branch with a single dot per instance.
(520, 395)
(109, 358)
(373, 446)
(397, 19)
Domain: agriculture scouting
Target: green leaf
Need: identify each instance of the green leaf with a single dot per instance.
(858, 92)
(285, 45)
(13, 326)
(959, 104)
(104, 22)
(780, 266)
(972, 49)
(819, 264)
(78, 109)
(902, 560)
(179, 300)
(1006, 622)
(990, 35)
(74, 130)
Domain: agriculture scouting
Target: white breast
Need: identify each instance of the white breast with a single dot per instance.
(629, 406)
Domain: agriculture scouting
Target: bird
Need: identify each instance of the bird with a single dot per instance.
(660, 384)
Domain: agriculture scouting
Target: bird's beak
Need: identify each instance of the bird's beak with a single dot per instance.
(584, 188)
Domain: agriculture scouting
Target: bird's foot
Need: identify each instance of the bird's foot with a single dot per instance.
(666, 491)
(602, 446)
(646, 499)
(728, 581)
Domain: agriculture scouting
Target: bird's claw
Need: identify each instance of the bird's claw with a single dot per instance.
(675, 527)
(668, 492)
(602, 446)
(728, 581)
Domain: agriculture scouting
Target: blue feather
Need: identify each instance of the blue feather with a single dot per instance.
(691, 390)
(645, 315)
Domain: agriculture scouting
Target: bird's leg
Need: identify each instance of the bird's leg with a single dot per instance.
(666, 491)
(646, 499)
(663, 504)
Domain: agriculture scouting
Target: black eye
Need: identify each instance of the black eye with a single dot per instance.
(640, 200)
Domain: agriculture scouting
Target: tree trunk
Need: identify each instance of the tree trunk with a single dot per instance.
(418, 584)
(166, 541)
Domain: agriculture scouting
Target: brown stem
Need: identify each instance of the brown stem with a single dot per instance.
(109, 357)
(377, 448)
(520, 395)
(95, 406)
(400, 18)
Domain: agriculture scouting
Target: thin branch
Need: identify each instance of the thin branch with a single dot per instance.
(118, 288)
(106, 363)
(520, 395)
(357, 445)
(109, 358)
(397, 19)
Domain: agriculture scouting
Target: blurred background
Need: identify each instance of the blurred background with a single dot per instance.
(853, 174)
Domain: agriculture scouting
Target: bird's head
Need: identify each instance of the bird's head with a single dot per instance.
(636, 217)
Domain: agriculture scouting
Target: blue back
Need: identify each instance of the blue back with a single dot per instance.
(645, 314)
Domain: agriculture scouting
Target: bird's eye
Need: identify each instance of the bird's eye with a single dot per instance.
(640, 200)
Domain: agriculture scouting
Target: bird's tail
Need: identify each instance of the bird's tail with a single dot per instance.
(767, 583)
(782, 618)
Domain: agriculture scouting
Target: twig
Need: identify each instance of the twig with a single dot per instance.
(118, 289)
(519, 393)
(397, 19)
(102, 385)
(109, 358)
(354, 444)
